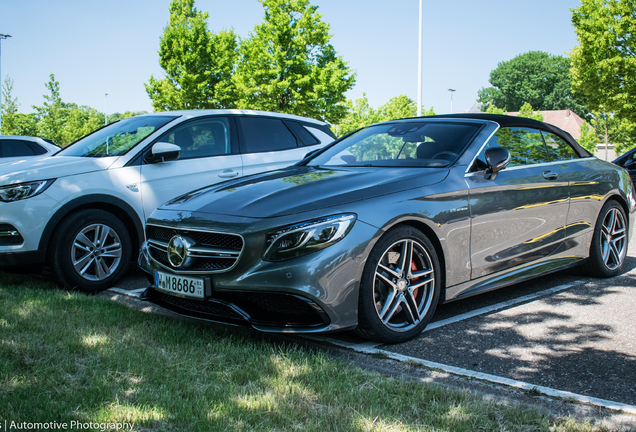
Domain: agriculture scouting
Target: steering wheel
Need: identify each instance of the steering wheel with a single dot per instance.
(452, 155)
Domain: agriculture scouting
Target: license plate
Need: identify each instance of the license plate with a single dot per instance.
(180, 285)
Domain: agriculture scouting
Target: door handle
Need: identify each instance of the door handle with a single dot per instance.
(228, 174)
(549, 175)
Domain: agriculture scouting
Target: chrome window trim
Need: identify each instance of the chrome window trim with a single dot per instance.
(199, 250)
(468, 172)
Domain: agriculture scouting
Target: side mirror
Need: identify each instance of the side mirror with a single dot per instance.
(163, 152)
(630, 163)
(497, 158)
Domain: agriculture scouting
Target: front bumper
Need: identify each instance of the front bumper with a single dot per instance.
(317, 292)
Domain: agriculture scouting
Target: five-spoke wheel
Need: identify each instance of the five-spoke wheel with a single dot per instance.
(399, 287)
(609, 242)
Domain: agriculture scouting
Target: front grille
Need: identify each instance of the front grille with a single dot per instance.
(278, 310)
(203, 238)
(9, 235)
(215, 252)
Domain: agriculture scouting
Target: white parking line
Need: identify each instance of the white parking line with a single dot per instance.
(130, 293)
(499, 306)
(602, 403)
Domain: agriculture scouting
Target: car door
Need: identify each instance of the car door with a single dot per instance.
(268, 143)
(520, 215)
(628, 161)
(208, 156)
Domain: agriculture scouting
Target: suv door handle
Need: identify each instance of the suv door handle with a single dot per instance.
(228, 174)
(549, 175)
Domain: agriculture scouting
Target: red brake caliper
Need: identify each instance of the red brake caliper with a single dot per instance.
(414, 280)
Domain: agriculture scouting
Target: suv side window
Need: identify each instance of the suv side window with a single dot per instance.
(265, 135)
(201, 138)
(14, 148)
(525, 145)
(558, 148)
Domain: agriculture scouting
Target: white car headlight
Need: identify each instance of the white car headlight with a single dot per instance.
(306, 237)
(22, 191)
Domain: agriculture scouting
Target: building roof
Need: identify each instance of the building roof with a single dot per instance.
(567, 120)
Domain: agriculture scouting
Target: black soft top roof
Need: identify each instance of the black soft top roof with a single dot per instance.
(512, 121)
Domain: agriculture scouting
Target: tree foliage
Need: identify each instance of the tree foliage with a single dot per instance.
(360, 113)
(604, 62)
(527, 111)
(289, 65)
(536, 77)
(588, 139)
(198, 64)
(52, 114)
(609, 128)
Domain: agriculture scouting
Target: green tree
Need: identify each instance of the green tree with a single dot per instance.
(608, 128)
(198, 64)
(536, 77)
(589, 138)
(604, 62)
(527, 111)
(359, 114)
(9, 108)
(80, 121)
(288, 64)
(52, 114)
(401, 107)
(494, 110)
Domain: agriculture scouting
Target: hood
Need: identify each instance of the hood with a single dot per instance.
(50, 167)
(301, 189)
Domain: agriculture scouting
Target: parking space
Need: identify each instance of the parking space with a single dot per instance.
(562, 335)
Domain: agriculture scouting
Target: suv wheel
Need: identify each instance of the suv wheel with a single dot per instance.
(91, 250)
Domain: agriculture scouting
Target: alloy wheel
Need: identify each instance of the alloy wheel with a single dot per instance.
(403, 285)
(96, 252)
(613, 239)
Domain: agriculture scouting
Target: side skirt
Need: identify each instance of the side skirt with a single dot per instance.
(511, 276)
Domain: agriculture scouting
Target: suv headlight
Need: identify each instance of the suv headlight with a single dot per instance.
(306, 237)
(22, 191)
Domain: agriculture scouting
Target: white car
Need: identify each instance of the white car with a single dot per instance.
(82, 211)
(16, 147)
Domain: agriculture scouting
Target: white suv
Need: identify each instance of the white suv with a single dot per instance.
(82, 210)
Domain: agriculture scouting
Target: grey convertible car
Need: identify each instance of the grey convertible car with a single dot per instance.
(377, 229)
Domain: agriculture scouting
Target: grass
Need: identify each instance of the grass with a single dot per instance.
(68, 357)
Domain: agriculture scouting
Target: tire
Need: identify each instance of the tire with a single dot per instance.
(80, 260)
(395, 306)
(609, 242)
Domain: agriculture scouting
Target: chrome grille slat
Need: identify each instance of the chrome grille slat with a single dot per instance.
(212, 252)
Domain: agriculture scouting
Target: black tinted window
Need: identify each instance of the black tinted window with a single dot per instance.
(264, 135)
(202, 138)
(409, 144)
(558, 149)
(15, 148)
(525, 146)
(302, 133)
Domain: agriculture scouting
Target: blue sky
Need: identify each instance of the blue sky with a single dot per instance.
(111, 47)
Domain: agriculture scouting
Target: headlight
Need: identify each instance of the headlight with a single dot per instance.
(22, 191)
(307, 237)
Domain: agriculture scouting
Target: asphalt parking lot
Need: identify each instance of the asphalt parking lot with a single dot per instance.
(562, 335)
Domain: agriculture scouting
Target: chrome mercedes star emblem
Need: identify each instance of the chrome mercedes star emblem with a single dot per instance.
(178, 251)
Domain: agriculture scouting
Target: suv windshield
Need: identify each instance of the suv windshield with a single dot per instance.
(117, 138)
(409, 144)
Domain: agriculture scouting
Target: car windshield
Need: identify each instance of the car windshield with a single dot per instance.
(117, 138)
(408, 144)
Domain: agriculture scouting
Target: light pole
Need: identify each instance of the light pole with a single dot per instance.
(419, 68)
(105, 112)
(451, 92)
(2, 36)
